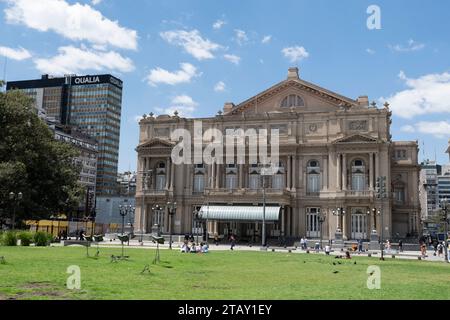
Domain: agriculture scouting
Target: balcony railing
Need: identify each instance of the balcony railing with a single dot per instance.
(244, 191)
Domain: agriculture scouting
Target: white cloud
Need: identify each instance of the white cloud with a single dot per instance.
(408, 128)
(241, 36)
(184, 75)
(192, 42)
(439, 129)
(76, 22)
(220, 86)
(15, 54)
(183, 104)
(295, 54)
(96, 2)
(232, 58)
(78, 60)
(219, 24)
(266, 39)
(425, 95)
(411, 46)
(370, 51)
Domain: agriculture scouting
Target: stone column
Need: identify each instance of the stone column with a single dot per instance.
(344, 172)
(338, 172)
(168, 173)
(371, 173)
(283, 212)
(241, 176)
(213, 174)
(345, 224)
(172, 176)
(289, 173)
(325, 174)
(294, 173)
(217, 175)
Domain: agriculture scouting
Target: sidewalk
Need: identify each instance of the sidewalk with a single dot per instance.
(411, 255)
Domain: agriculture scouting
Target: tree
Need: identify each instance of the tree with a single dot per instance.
(33, 162)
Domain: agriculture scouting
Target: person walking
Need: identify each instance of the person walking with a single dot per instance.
(360, 246)
(400, 246)
(232, 241)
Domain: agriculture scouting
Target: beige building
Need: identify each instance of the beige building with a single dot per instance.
(332, 149)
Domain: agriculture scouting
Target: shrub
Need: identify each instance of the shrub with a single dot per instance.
(9, 239)
(26, 238)
(42, 239)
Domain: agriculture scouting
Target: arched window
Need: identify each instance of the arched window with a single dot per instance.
(254, 180)
(199, 178)
(278, 178)
(292, 101)
(358, 175)
(313, 173)
(161, 176)
(231, 178)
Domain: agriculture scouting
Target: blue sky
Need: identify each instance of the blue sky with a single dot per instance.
(195, 55)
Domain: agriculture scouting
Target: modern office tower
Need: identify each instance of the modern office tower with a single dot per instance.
(93, 103)
(429, 180)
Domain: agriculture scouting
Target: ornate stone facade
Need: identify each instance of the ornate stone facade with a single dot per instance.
(332, 149)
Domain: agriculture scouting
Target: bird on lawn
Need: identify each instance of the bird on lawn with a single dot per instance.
(354, 262)
(334, 263)
(335, 272)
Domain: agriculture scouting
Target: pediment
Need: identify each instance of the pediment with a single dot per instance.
(315, 96)
(156, 143)
(356, 138)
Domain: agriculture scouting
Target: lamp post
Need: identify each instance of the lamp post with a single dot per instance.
(444, 208)
(321, 218)
(157, 209)
(124, 210)
(339, 212)
(16, 198)
(265, 171)
(381, 194)
(196, 213)
(172, 207)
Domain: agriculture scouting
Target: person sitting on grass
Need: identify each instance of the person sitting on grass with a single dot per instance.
(205, 248)
(347, 255)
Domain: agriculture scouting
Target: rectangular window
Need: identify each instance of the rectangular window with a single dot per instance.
(231, 182)
(313, 183)
(199, 183)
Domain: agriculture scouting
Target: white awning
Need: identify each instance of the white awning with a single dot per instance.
(239, 213)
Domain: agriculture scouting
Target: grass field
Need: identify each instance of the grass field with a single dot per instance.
(40, 273)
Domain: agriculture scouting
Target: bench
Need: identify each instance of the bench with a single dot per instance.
(76, 242)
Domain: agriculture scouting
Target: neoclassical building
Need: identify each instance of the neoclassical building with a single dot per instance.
(332, 150)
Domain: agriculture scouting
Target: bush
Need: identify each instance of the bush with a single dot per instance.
(9, 239)
(26, 238)
(42, 239)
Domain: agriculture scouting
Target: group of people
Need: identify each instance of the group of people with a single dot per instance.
(304, 243)
(191, 247)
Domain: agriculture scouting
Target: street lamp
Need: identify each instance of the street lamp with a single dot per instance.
(157, 209)
(172, 207)
(16, 198)
(265, 171)
(124, 211)
(321, 218)
(196, 219)
(444, 207)
(339, 212)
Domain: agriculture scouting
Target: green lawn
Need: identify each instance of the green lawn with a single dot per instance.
(40, 273)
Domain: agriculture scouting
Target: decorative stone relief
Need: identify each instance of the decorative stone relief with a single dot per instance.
(358, 125)
(162, 132)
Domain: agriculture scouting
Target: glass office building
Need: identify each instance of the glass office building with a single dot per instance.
(93, 103)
